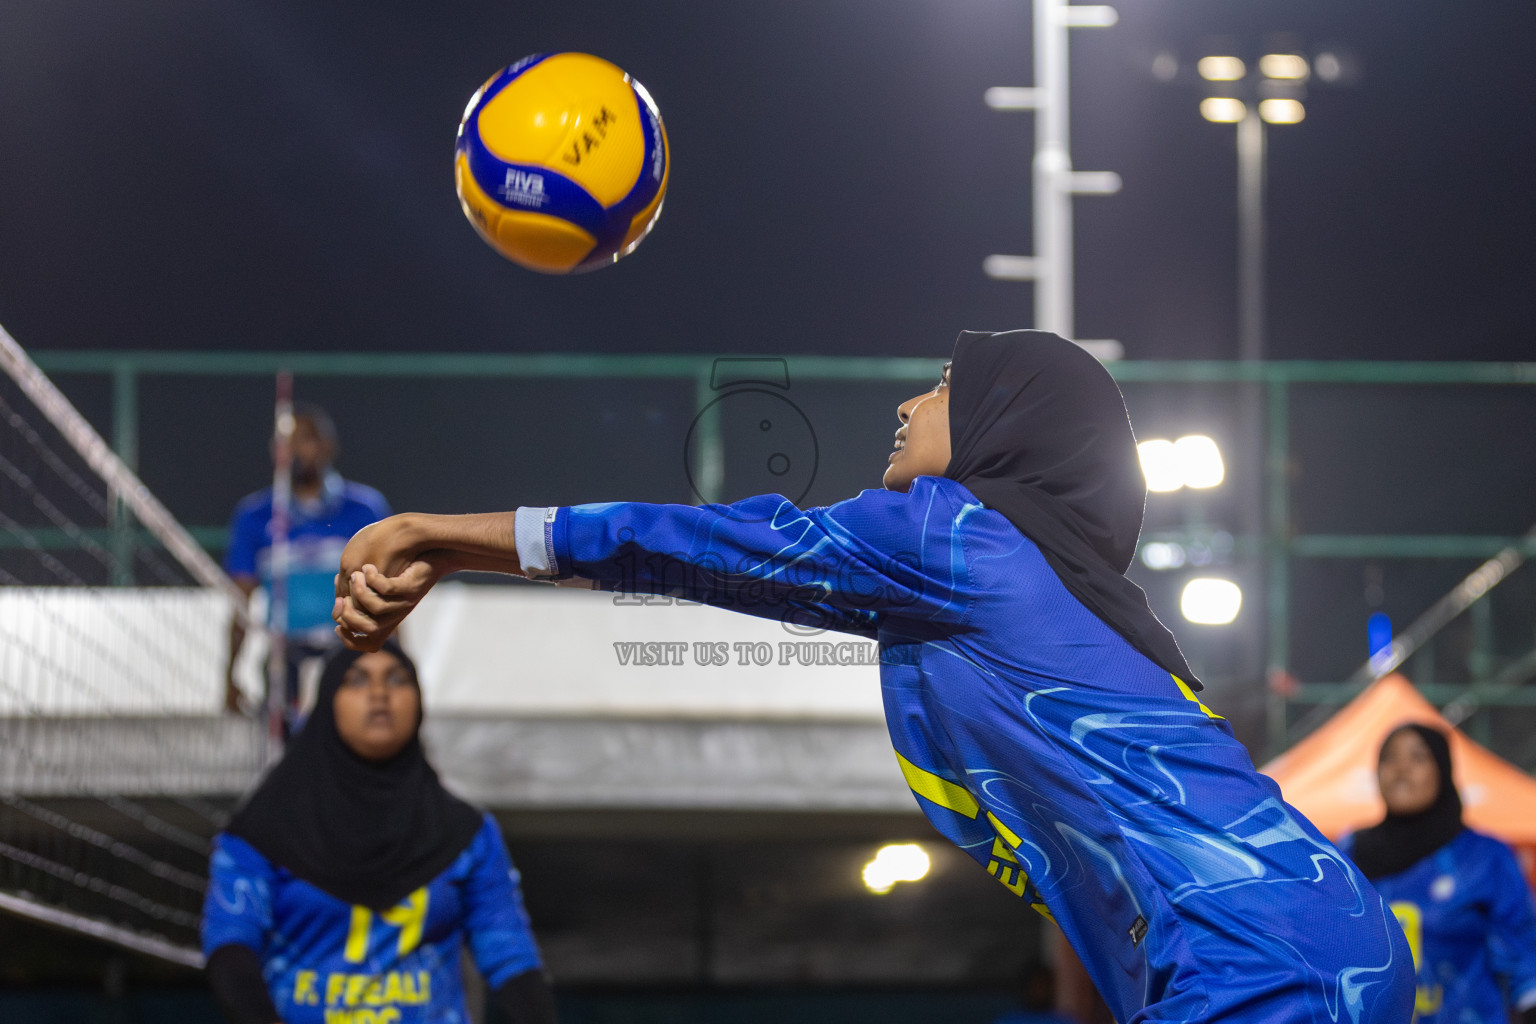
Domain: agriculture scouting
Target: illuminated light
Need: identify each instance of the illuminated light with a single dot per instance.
(1223, 109)
(899, 862)
(1210, 602)
(1288, 66)
(1279, 111)
(1160, 555)
(1160, 465)
(1165, 67)
(1199, 460)
(1221, 69)
(1329, 67)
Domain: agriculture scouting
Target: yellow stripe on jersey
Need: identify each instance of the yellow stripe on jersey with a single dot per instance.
(1190, 694)
(356, 949)
(940, 791)
(1004, 831)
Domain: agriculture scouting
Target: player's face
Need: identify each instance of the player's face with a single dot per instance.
(312, 451)
(377, 706)
(1408, 774)
(922, 440)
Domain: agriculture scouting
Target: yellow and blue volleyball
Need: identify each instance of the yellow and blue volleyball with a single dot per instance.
(561, 162)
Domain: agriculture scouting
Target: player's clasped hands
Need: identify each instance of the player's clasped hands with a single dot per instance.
(388, 567)
(384, 575)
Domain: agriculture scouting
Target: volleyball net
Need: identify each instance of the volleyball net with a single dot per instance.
(117, 761)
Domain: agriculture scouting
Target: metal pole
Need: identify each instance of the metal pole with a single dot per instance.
(282, 507)
(709, 447)
(1052, 165)
(1250, 236)
(1277, 599)
(125, 442)
(1054, 181)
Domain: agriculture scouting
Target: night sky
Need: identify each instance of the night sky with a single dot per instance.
(276, 174)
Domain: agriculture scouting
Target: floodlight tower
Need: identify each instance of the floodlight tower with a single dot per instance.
(1055, 182)
(1271, 93)
(1237, 96)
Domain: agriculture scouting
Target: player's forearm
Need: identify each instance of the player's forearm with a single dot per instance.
(482, 542)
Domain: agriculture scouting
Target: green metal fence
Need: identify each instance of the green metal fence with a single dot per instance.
(1277, 545)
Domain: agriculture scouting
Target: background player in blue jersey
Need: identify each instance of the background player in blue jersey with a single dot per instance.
(1044, 718)
(326, 511)
(1459, 895)
(347, 886)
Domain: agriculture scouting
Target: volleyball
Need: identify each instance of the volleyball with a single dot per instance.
(561, 162)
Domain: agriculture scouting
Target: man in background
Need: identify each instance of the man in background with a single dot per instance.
(325, 512)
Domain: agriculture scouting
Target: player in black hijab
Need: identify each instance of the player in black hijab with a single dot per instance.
(1459, 895)
(367, 832)
(1401, 840)
(350, 860)
(1039, 432)
(1044, 719)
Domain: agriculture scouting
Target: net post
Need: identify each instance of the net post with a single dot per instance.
(282, 504)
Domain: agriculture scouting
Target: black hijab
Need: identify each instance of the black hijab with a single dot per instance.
(1039, 432)
(1402, 840)
(367, 832)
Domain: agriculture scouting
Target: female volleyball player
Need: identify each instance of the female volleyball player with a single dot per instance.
(1044, 718)
(346, 886)
(1459, 895)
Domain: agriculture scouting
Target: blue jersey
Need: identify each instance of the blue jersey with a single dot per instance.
(317, 533)
(1469, 920)
(1085, 779)
(327, 962)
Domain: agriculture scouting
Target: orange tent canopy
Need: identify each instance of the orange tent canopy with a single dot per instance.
(1331, 775)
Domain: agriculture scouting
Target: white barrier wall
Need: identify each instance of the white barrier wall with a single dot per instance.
(499, 650)
(541, 651)
(104, 651)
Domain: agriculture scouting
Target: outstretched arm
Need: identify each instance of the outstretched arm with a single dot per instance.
(834, 568)
(388, 567)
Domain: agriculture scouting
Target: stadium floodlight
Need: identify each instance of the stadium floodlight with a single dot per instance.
(1290, 67)
(1199, 461)
(1160, 465)
(1159, 554)
(1221, 69)
(1192, 461)
(1209, 601)
(898, 862)
(1223, 109)
(1282, 111)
